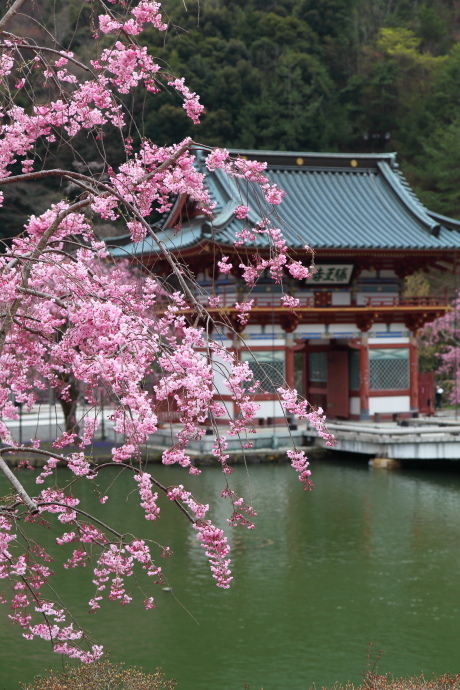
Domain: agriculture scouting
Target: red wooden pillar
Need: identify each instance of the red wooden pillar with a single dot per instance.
(364, 377)
(413, 374)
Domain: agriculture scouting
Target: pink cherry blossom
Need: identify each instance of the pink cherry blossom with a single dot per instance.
(224, 265)
(119, 345)
(241, 212)
(290, 302)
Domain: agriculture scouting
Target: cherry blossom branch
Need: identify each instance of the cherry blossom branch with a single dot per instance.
(55, 172)
(78, 177)
(44, 49)
(17, 486)
(12, 12)
(63, 458)
(44, 295)
(163, 488)
(29, 449)
(34, 331)
(167, 164)
(75, 509)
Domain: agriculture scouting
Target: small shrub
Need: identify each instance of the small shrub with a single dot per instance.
(444, 682)
(373, 681)
(102, 675)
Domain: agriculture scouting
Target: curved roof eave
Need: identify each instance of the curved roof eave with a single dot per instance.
(416, 209)
(448, 223)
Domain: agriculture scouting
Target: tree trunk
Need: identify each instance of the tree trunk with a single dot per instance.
(69, 407)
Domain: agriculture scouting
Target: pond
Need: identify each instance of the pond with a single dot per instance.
(367, 557)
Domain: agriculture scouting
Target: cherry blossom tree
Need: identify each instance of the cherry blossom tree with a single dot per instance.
(70, 317)
(440, 350)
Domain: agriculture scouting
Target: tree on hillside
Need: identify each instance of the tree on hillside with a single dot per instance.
(69, 317)
(394, 81)
(435, 168)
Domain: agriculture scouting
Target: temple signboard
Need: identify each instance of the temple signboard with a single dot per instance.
(337, 274)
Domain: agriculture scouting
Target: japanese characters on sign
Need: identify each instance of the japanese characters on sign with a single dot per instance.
(328, 273)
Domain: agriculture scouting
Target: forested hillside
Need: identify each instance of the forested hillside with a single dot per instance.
(324, 75)
(338, 75)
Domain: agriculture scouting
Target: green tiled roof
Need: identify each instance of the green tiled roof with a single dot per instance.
(333, 201)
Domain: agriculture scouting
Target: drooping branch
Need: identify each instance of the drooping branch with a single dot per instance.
(17, 486)
(84, 513)
(12, 12)
(43, 295)
(44, 49)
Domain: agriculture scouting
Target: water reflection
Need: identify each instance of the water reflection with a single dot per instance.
(366, 557)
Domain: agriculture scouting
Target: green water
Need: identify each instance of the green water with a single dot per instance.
(368, 557)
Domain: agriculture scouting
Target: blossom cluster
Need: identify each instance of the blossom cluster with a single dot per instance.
(240, 510)
(27, 577)
(303, 410)
(211, 538)
(215, 544)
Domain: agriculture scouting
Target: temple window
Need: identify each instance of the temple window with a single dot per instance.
(268, 367)
(389, 369)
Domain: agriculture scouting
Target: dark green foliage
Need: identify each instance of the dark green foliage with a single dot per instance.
(433, 30)
(338, 75)
(309, 74)
(440, 178)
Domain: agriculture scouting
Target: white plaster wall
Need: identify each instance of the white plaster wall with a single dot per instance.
(270, 408)
(389, 404)
(272, 334)
(270, 329)
(228, 298)
(354, 405)
(336, 329)
(399, 327)
(342, 299)
(252, 329)
(221, 372)
(379, 328)
(387, 273)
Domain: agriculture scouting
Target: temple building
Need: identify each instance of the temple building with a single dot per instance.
(351, 345)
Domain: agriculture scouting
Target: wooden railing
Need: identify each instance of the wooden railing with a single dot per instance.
(406, 302)
(273, 300)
